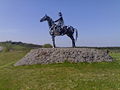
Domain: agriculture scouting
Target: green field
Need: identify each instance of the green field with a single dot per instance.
(66, 76)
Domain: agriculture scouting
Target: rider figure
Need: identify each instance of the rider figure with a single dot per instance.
(60, 22)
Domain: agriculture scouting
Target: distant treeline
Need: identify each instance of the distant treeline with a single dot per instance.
(21, 44)
(112, 49)
(100, 47)
(18, 46)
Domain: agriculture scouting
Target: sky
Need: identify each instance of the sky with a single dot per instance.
(97, 21)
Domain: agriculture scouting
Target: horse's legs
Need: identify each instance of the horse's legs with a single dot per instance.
(73, 40)
(53, 39)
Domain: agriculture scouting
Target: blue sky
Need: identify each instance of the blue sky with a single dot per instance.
(97, 21)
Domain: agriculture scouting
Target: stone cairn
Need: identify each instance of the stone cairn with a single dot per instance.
(60, 55)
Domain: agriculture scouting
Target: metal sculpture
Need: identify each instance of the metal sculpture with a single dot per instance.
(59, 29)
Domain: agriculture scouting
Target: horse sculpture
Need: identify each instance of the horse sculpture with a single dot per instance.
(66, 30)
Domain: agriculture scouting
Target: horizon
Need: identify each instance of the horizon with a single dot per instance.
(65, 47)
(97, 22)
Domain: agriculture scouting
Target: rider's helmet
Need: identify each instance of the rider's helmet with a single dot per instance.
(60, 14)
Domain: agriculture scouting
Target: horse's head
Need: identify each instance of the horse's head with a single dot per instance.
(44, 18)
(47, 18)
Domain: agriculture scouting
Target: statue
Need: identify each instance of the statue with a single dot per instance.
(60, 29)
(60, 22)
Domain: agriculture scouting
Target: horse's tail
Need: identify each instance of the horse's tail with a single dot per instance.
(76, 34)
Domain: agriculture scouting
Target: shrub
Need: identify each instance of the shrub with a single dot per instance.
(8, 47)
(47, 46)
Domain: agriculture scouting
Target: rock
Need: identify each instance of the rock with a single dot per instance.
(60, 55)
(1, 48)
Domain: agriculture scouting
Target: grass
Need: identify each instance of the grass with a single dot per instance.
(66, 76)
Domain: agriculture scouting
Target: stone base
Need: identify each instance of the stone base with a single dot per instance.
(60, 55)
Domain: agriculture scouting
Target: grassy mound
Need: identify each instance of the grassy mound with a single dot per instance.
(66, 76)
